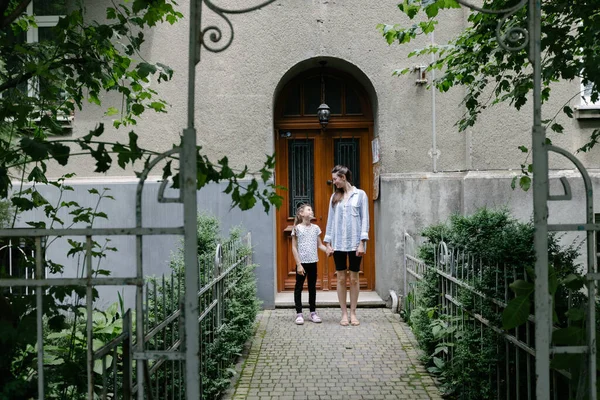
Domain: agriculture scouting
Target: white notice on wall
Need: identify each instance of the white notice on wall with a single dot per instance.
(375, 150)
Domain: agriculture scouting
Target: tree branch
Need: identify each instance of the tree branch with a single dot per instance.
(13, 15)
(13, 82)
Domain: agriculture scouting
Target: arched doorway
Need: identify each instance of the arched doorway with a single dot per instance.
(306, 153)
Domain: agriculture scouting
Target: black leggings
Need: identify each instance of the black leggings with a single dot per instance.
(310, 271)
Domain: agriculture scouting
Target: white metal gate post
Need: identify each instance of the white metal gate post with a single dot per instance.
(543, 301)
(189, 188)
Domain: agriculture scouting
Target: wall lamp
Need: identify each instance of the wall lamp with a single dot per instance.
(323, 112)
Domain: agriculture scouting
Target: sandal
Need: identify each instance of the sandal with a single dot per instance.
(354, 321)
(344, 322)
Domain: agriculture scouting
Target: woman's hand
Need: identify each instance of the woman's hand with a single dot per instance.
(300, 270)
(329, 250)
(360, 251)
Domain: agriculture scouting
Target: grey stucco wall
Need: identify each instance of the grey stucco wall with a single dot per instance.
(157, 250)
(237, 89)
(411, 202)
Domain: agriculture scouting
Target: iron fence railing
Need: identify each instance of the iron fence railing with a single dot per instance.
(115, 365)
(163, 323)
(471, 295)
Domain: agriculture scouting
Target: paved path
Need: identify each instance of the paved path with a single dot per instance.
(376, 360)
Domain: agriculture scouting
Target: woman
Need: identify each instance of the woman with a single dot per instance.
(346, 236)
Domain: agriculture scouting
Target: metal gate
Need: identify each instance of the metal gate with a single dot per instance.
(531, 36)
(188, 352)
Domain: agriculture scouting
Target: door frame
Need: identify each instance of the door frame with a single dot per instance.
(362, 123)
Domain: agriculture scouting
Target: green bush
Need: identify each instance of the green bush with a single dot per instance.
(499, 245)
(219, 346)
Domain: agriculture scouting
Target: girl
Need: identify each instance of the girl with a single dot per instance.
(346, 236)
(305, 241)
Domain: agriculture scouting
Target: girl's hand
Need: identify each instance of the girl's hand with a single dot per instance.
(360, 251)
(329, 250)
(300, 270)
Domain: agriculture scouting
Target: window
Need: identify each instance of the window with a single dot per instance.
(586, 96)
(304, 97)
(46, 14)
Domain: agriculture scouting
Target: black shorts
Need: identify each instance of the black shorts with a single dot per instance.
(340, 258)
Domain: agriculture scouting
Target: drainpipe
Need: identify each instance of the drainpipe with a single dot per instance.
(433, 130)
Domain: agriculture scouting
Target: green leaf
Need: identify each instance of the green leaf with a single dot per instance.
(145, 69)
(59, 152)
(574, 282)
(522, 288)
(111, 111)
(566, 361)
(571, 336)
(569, 111)
(525, 183)
(575, 314)
(556, 127)
(35, 148)
(524, 149)
(516, 312)
(552, 280)
(137, 108)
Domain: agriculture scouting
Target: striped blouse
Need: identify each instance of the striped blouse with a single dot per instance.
(348, 222)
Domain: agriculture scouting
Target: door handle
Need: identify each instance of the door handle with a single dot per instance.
(329, 182)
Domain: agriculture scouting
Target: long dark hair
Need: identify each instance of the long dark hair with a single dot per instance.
(339, 192)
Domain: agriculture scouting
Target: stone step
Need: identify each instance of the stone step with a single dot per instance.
(329, 298)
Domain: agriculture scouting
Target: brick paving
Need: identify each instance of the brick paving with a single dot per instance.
(376, 360)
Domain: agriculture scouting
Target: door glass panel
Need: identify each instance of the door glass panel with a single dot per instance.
(301, 174)
(346, 153)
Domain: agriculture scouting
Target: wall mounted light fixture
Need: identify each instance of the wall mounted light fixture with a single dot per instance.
(323, 112)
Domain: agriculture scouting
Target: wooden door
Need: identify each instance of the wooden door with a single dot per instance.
(305, 158)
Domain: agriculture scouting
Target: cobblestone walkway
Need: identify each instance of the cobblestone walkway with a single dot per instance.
(376, 360)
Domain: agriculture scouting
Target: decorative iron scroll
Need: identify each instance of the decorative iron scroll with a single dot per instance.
(215, 35)
(514, 34)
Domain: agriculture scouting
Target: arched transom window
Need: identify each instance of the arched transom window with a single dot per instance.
(302, 96)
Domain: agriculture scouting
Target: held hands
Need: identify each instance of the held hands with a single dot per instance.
(329, 250)
(300, 270)
(360, 251)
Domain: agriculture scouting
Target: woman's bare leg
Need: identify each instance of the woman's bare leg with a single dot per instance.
(354, 289)
(341, 292)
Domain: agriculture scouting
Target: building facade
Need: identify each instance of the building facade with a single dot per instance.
(260, 97)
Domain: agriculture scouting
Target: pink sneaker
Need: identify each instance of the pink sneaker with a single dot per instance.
(315, 318)
(299, 319)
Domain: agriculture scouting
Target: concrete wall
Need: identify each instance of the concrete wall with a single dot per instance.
(157, 250)
(411, 202)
